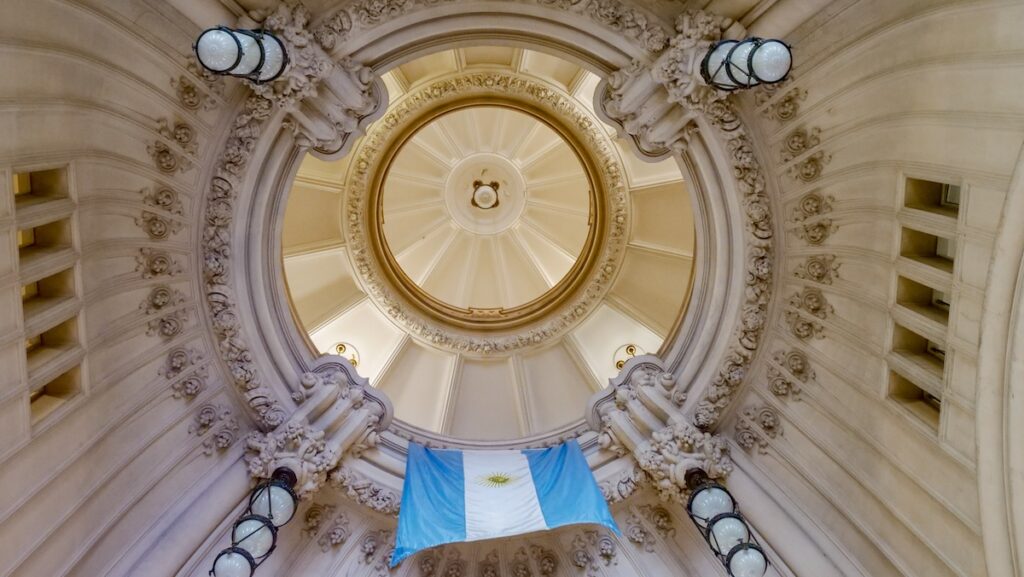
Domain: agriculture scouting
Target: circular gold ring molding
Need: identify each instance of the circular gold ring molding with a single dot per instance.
(490, 318)
(535, 322)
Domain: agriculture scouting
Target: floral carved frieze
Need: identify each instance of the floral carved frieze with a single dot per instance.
(365, 491)
(370, 153)
(613, 14)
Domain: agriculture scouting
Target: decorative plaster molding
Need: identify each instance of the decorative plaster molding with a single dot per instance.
(589, 548)
(780, 386)
(631, 99)
(613, 14)
(675, 449)
(798, 142)
(821, 268)
(169, 325)
(189, 387)
(490, 566)
(179, 360)
(803, 328)
(815, 234)
(326, 118)
(812, 204)
(370, 152)
(157, 227)
(755, 426)
(161, 297)
(795, 361)
(638, 534)
(783, 109)
(812, 301)
(366, 492)
(623, 486)
(206, 419)
(545, 559)
(809, 169)
(167, 160)
(180, 133)
(162, 198)
(189, 94)
(153, 263)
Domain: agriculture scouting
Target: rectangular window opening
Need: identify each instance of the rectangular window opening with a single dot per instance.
(937, 197)
(935, 251)
(923, 404)
(44, 400)
(38, 186)
(922, 299)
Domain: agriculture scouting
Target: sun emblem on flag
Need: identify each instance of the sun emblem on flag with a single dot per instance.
(495, 480)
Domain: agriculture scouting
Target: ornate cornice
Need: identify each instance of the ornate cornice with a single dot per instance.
(617, 16)
(404, 114)
(638, 99)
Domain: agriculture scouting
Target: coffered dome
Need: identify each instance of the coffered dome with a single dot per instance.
(480, 260)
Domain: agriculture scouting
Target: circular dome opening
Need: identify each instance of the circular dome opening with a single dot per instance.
(490, 253)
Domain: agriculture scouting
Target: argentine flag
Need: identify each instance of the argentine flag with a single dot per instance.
(452, 495)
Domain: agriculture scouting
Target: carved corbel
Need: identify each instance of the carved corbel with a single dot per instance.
(334, 419)
(677, 448)
(655, 103)
(328, 102)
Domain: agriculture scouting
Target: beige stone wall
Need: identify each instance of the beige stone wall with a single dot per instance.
(883, 92)
(84, 87)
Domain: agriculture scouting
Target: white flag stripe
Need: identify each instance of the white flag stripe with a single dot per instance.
(501, 499)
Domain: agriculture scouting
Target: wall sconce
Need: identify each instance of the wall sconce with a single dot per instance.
(713, 509)
(255, 55)
(733, 64)
(254, 535)
(349, 351)
(624, 353)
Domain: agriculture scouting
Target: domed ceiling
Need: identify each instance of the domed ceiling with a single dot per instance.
(494, 254)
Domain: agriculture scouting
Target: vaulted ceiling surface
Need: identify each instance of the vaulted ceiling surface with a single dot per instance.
(503, 257)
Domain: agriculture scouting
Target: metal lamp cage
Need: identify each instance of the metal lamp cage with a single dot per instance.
(258, 36)
(739, 76)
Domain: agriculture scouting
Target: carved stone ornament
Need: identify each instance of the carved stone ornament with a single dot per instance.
(802, 327)
(190, 387)
(755, 426)
(812, 301)
(809, 169)
(163, 198)
(613, 14)
(590, 548)
(638, 100)
(660, 519)
(490, 566)
(366, 492)
(798, 142)
(167, 160)
(168, 326)
(677, 448)
(189, 94)
(296, 443)
(624, 485)
(219, 419)
(819, 268)
(371, 152)
(795, 361)
(545, 559)
(521, 564)
(161, 297)
(180, 133)
(812, 204)
(785, 108)
(780, 386)
(326, 119)
(156, 226)
(638, 534)
(153, 263)
(179, 360)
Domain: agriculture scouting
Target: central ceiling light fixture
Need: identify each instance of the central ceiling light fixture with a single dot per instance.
(485, 195)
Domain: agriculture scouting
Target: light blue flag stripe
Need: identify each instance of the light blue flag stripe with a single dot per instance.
(566, 488)
(433, 501)
(434, 496)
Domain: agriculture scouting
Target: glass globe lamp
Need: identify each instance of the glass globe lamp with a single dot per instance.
(733, 64)
(255, 55)
(746, 560)
(274, 498)
(233, 562)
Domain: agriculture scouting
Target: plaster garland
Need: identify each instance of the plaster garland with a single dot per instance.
(368, 155)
